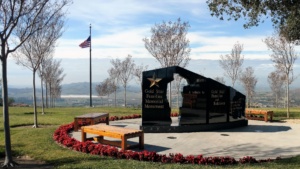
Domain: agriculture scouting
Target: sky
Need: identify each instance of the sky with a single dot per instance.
(118, 27)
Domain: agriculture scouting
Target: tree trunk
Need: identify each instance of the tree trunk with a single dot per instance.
(276, 100)
(107, 100)
(249, 100)
(8, 154)
(50, 95)
(115, 98)
(46, 94)
(54, 101)
(42, 96)
(125, 95)
(249, 103)
(35, 125)
(287, 97)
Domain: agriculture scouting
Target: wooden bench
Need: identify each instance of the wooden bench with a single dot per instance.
(114, 132)
(254, 114)
(92, 118)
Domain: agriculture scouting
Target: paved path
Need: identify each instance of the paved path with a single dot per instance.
(259, 139)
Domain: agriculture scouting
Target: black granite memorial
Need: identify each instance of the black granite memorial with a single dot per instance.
(206, 103)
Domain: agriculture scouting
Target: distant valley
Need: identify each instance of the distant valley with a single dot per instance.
(77, 94)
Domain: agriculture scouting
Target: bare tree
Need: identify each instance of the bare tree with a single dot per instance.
(125, 69)
(232, 63)
(56, 85)
(46, 72)
(56, 89)
(102, 89)
(18, 23)
(276, 80)
(284, 57)
(248, 81)
(138, 73)
(178, 83)
(39, 47)
(220, 79)
(57, 79)
(42, 74)
(169, 45)
(105, 88)
(54, 76)
(114, 78)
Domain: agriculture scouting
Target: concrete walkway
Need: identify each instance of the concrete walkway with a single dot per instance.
(259, 139)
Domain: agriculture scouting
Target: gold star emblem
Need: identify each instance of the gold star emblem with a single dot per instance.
(154, 80)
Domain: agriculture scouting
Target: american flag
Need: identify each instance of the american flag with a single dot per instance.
(86, 43)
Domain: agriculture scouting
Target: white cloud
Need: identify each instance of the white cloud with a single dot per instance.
(122, 43)
(118, 28)
(104, 14)
(118, 44)
(212, 46)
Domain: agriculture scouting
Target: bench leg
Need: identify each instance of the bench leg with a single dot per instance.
(99, 139)
(266, 117)
(75, 125)
(124, 143)
(271, 116)
(83, 136)
(107, 120)
(141, 141)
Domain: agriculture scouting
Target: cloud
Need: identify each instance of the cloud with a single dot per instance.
(122, 43)
(208, 46)
(118, 28)
(117, 44)
(119, 11)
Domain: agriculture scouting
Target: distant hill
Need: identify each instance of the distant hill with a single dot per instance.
(76, 69)
(80, 88)
(21, 92)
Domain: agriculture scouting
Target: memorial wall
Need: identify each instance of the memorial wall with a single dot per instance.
(204, 100)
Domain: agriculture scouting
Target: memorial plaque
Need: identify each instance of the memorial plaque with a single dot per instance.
(194, 109)
(237, 109)
(218, 102)
(155, 105)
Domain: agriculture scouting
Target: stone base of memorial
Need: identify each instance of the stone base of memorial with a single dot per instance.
(193, 128)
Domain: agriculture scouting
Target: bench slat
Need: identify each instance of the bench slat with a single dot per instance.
(114, 129)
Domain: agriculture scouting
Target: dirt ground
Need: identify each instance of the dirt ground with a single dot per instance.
(27, 162)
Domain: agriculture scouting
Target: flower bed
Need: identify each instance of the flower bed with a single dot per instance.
(61, 136)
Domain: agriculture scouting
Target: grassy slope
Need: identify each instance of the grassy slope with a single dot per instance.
(38, 143)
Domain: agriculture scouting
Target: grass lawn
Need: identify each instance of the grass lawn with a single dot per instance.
(38, 143)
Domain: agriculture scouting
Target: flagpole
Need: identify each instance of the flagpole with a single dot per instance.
(91, 67)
